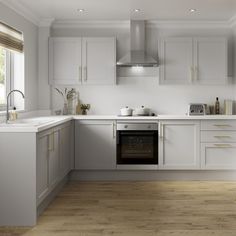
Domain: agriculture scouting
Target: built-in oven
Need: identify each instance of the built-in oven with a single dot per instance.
(137, 143)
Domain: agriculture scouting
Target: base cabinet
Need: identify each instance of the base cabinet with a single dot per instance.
(65, 149)
(95, 145)
(218, 145)
(218, 156)
(179, 145)
(53, 159)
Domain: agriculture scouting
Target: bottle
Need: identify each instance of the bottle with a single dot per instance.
(13, 115)
(217, 106)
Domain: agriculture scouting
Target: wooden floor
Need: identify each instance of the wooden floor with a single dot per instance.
(139, 209)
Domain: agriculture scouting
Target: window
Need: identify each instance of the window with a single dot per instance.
(6, 80)
(11, 65)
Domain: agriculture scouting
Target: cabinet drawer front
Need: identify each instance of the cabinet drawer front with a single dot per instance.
(218, 125)
(218, 136)
(218, 156)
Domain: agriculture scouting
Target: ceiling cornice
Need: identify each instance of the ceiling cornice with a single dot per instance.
(187, 24)
(89, 24)
(46, 22)
(22, 10)
(149, 24)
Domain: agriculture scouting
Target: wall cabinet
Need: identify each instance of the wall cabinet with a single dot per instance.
(200, 60)
(53, 159)
(80, 61)
(95, 145)
(65, 62)
(179, 145)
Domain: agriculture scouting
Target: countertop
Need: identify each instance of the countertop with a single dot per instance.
(43, 123)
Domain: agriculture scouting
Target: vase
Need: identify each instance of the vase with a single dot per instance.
(65, 109)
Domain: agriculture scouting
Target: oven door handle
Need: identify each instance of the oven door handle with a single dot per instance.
(141, 133)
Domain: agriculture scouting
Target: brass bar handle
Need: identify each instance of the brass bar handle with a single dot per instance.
(80, 74)
(223, 145)
(222, 136)
(191, 74)
(222, 125)
(196, 72)
(161, 131)
(85, 73)
(50, 142)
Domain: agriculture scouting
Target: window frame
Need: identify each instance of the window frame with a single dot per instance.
(9, 79)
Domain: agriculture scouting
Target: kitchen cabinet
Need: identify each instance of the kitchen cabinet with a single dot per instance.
(200, 60)
(218, 156)
(47, 162)
(53, 158)
(176, 60)
(65, 149)
(81, 61)
(99, 61)
(218, 144)
(95, 145)
(65, 62)
(210, 60)
(179, 145)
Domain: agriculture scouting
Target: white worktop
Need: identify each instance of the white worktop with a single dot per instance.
(51, 121)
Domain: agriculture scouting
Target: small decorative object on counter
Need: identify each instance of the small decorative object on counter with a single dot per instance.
(70, 100)
(228, 107)
(78, 108)
(84, 108)
(65, 109)
(217, 106)
(13, 115)
(126, 111)
(211, 109)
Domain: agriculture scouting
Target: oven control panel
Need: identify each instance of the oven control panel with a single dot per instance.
(137, 126)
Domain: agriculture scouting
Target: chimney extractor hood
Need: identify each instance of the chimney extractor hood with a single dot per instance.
(137, 55)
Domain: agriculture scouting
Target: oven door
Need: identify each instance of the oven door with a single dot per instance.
(137, 147)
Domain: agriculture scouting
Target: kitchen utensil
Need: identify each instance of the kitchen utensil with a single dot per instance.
(196, 109)
(126, 111)
(141, 111)
(228, 107)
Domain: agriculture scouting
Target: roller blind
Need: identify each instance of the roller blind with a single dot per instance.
(11, 38)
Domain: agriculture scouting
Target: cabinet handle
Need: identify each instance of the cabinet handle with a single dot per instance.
(223, 145)
(222, 136)
(51, 142)
(85, 73)
(161, 131)
(222, 125)
(196, 72)
(80, 74)
(114, 130)
(191, 73)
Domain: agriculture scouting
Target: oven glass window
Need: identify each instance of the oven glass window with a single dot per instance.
(137, 147)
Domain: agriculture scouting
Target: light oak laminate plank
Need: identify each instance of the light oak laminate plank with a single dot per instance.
(139, 208)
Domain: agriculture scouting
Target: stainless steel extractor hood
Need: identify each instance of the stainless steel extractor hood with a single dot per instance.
(137, 55)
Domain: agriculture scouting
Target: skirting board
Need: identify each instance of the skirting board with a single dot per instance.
(181, 175)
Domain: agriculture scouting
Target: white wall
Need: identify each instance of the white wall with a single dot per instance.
(30, 32)
(136, 91)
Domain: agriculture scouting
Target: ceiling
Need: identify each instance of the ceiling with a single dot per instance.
(220, 10)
